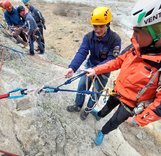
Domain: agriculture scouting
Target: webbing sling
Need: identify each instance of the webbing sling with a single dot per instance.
(151, 82)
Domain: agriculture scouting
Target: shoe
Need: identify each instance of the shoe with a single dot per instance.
(84, 115)
(99, 138)
(73, 108)
(24, 45)
(95, 114)
(30, 54)
(41, 53)
(37, 49)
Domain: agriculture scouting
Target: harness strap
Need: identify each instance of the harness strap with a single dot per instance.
(151, 82)
(127, 108)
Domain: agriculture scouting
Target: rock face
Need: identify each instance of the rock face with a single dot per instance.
(38, 124)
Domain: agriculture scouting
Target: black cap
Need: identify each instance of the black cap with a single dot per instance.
(20, 8)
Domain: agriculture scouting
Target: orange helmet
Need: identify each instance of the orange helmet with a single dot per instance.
(101, 16)
(7, 4)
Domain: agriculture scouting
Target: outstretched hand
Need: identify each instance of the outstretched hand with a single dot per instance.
(69, 73)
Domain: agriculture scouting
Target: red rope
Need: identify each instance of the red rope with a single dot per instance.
(2, 59)
(7, 153)
(4, 96)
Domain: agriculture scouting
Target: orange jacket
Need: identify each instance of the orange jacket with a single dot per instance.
(134, 75)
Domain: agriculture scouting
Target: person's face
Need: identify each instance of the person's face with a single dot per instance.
(100, 30)
(22, 13)
(143, 38)
(9, 9)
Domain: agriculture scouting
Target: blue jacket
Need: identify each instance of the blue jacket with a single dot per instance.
(37, 16)
(13, 18)
(30, 23)
(100, 51)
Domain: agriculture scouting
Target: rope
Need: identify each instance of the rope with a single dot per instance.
(7, 153)
(17, 51)
(2, 59)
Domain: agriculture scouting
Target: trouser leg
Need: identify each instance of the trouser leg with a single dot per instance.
(42, 36)
(16, 34)
(81, 87)
(99, 87)
(112, 102)
(40, 44)
(23, 36)
(119, 117)
(31, 44)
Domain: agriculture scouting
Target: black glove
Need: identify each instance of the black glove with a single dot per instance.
(44, 26)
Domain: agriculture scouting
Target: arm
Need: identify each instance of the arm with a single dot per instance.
(151, 113)
(111, 65)
(80, 55)
(41, 17)
(7, 19)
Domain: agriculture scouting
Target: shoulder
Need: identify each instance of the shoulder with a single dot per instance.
(114, 34)
(126, 49)
(90, 35)
(6, 13)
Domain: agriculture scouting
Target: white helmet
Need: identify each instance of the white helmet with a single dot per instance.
(146, 12)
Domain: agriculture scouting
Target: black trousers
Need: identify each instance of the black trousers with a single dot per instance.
(119, 116)
(42, 36)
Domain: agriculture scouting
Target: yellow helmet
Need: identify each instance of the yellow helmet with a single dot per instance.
(101, 16)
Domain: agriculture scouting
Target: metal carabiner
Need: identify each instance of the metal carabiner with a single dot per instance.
(22, 93)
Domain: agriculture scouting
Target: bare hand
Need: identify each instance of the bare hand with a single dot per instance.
(130, 121)
(69, 73)
(90, 72)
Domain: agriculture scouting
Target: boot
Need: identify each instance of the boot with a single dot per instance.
(95, 114)
(84, 115)
(99, 138)
(73, 108)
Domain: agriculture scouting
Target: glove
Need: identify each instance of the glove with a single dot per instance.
(44, 26)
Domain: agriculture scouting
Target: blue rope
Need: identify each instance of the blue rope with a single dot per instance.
(12, 49)
(72, 79)
(50, 89)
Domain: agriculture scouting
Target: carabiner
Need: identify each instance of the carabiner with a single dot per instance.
(22, 93)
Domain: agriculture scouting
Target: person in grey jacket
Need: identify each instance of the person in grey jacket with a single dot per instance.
(33, 30)
(40, 20)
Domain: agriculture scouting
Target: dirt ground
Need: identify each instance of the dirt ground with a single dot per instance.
(66, 25)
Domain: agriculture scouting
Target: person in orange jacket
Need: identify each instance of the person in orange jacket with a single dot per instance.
(138, 85)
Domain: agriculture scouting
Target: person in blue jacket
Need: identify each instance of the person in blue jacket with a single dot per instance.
(33, 30)
(14, 23)
(99, 46)
(37, 15)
